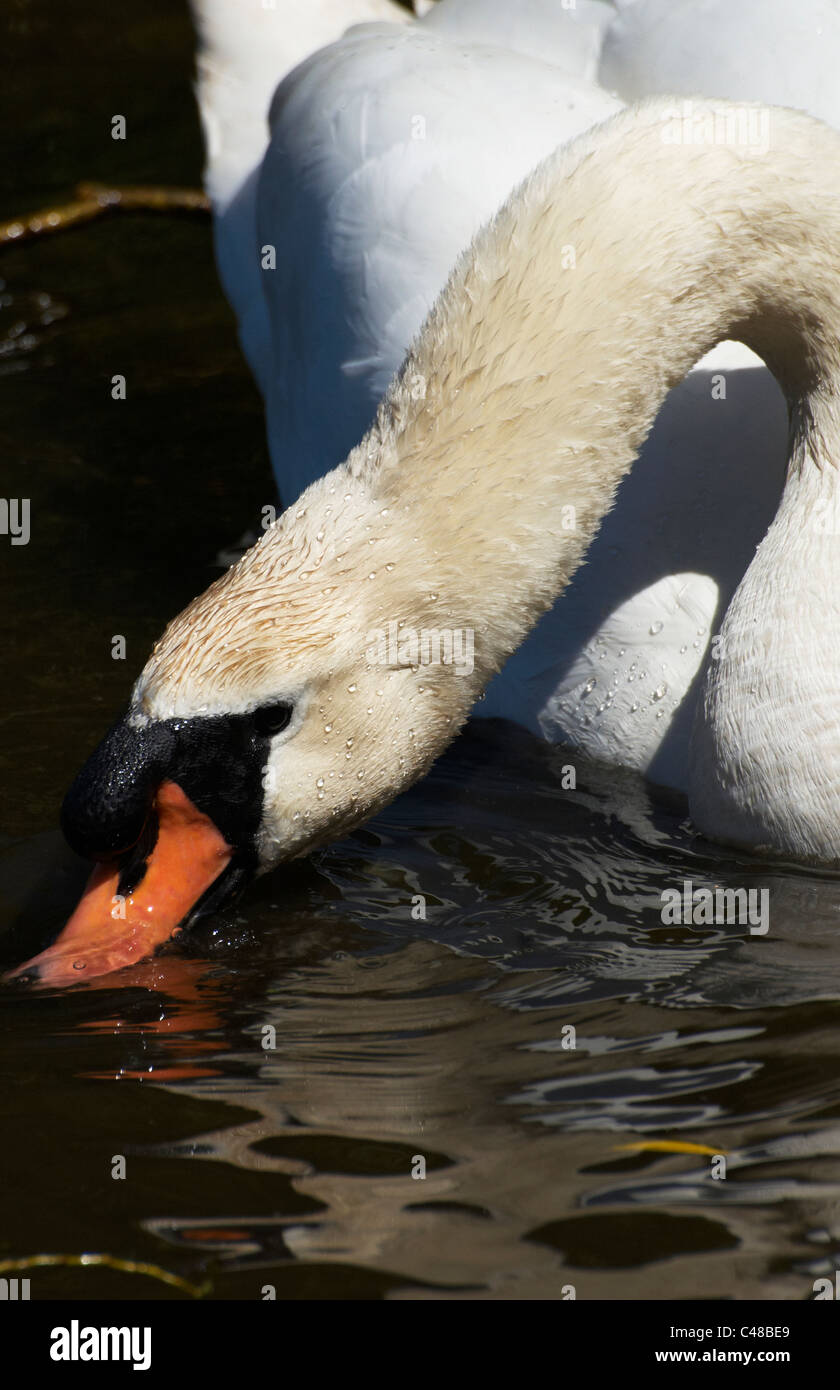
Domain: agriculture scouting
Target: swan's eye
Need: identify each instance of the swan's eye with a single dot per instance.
(272, 719)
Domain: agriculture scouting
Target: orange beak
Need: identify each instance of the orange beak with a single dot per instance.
(107, 932)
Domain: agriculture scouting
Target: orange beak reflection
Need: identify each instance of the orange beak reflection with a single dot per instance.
(107, 932)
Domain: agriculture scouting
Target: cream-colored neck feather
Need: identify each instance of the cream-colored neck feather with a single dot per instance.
(499, 447)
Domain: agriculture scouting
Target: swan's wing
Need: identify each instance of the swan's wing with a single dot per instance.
(388, 151)
(244, 52)
(568, 37)
(752, 50)
(245, 48)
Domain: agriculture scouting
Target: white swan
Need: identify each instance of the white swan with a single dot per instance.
(387, 152)
(265, 721)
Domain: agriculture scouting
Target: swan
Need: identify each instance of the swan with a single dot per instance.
(268, 721)
(366, 242)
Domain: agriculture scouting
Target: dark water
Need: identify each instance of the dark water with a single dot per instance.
(394, 1037)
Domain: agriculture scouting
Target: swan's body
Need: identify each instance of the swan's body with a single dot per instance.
(387, 151)
(268, 701)
(447, 514)
(742, 50)
(245, 49)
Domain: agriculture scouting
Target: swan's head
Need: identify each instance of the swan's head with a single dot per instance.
(287, 703)
(285, 684)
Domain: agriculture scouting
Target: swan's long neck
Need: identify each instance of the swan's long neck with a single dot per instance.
(536, 378)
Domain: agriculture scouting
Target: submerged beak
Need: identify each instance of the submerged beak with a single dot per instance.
(171, 808)
(111, 929)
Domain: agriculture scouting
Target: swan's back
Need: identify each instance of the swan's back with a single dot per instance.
(784, 53)
(397, 147)
(568, 37)
(245, 48)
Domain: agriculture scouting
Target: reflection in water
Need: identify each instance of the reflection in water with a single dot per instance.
(449, 1039)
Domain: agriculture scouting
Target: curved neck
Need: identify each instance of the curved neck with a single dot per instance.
(619, 262)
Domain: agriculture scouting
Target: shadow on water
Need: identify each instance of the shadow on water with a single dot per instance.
(273, 1080)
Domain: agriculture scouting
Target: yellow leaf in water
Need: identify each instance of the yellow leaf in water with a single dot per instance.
(85, 1261)
(669, 1146)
